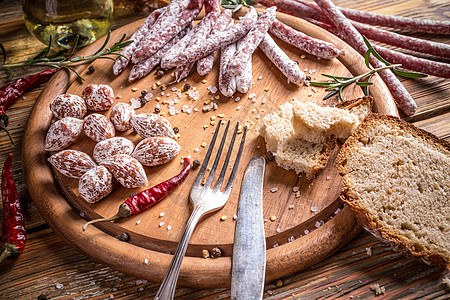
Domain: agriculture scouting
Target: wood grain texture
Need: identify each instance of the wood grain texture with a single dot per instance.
(48, 260)
(150, 239)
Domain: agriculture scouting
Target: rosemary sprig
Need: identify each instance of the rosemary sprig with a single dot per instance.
(235, 5)
(60, 61)
(338, 83)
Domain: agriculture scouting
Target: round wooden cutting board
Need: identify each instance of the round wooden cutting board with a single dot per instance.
(309, 224)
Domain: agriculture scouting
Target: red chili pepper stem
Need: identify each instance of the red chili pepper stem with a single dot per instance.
(4, 120)
(9, 250)
(143, 200)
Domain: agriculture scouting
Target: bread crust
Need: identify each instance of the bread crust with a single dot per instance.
(362, 215)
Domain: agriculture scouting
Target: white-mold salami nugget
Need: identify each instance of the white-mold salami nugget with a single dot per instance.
(63, 133)
(98, 127)
(127, 170)
(72, 163)
(149, 125)
(121, 115)
(154, 151)
(110, 147)
(68, 105)
(95, 184)
(98, 97)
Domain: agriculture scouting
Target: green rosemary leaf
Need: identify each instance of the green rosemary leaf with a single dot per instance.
(73, 70)
(366, 88)
(374, 52)
(363, 83)
(75, 44)
(316, 83)
(408, 74)
(331, 94)
(367, 59)
(104, 44)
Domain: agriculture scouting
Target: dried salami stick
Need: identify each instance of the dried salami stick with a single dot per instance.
(182, 72)
(404, 100)
(227, 82)
(279, 58)
(201, 30)
(146, 66)
(121, 63)
(250, 42)
(415, 64)
(410, 24)
(219, 39)
(244, 80)
(316, 47)
(211, 5)
(374, 33)
(165, 28)
(205, 64)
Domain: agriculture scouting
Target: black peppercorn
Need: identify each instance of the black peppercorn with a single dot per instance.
(124, 237)
(195, 164)
(91, 69)
(176, 130)
(157, 110)
(308, 78)
(216, 252)
(144, 93)
(186, 87)
(42, 297)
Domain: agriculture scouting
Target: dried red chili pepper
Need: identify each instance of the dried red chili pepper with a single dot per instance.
(10, 92)
(13, 229)
(143, 200)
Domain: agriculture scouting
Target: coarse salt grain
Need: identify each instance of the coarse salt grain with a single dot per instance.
(295, 189)
(291, 239)
(263, 101)
(260, 77)
(161, 224)
(252, 95)
(278, 229)
(162, 214)
(135, 103)
(273, 190)
(169, 227)
(306, 231)
(314, 209)
(237, 99)
(59, 285)
(138, 222)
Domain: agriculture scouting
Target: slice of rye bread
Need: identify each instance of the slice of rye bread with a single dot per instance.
(397, 181)
(293, 153)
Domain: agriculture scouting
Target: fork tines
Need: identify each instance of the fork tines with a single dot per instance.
(232, 177)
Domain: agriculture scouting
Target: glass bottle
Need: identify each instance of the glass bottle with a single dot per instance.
(62, 20)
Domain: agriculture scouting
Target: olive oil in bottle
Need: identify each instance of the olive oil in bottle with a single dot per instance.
(62, 20)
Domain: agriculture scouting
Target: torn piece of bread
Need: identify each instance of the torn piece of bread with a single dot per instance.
(397, 181)
(301, 155)
(316, 124)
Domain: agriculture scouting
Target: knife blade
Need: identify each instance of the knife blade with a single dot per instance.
(249, 250)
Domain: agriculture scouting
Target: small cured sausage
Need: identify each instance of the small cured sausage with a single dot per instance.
(110, 147)
(404, 100)
(227, 82)
(316, 47)
(244, 80)
(205, 64)
(98, 97)
(120, 116)
(127, 170)
(155, 151)
(218, 39)
(95, 184)
(146, 66)
(98, 127)
(72, 163)
(165, 28)
(68, 105)
(192, 38)
(121, 62)
(279, 58)
(250, 42)
(149, 125)
(63, 133)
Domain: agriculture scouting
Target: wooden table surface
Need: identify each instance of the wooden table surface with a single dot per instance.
(50, 267)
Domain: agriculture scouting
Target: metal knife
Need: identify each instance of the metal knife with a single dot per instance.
(249, 250)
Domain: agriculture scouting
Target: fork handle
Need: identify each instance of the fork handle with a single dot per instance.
(167, 289)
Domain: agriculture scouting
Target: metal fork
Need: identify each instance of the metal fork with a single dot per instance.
(205, 200)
